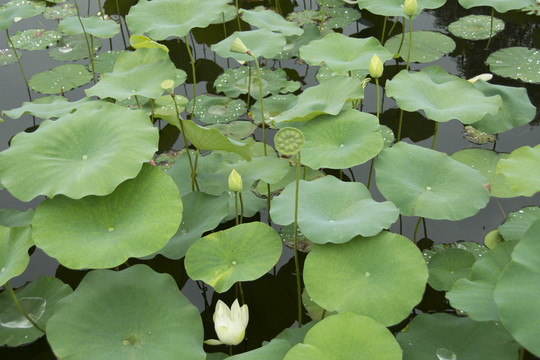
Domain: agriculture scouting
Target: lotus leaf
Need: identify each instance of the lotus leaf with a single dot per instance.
(427, 46)
(73, 48)
(383, 276)
(333, 211)
(445, 337)
(60, 11)
(518, 63)
(342, 53)
(442, 96)
(395, 7)
(295, 42)
(135, 313)
(60, 79)
(521, 170)
(139, 41)
(273, 107)
(476, 249)
(14, 217)
(275, 349)
(163, 18)
(475, 27)
(38, 299)
(270, 20)
(339, 17)
(7, 56)
(35, 39)
(104, 61)
(276, 187)
(236, 130)
(14, 245)
(93, 25)
(446, 267)
(244, 252)
(347, 336)
(427, 183)
(19, 9)
(500, 6)
(47, 107)
(325, 72)
(217, 109)
(234, 82)
(260, 42)
(518, 222)
(330, 3)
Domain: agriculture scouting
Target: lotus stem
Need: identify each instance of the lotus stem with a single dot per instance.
(392, 28)
(90, 49)
(236, 207)
(120, 22)
(137, 100)
(410, 42)
(20, 65)
(383, 30)
(435, 135)
(238, 16)
(323, 314)
(103, 18)
(193, 174)
(249, 87)
(416, 229)
(296, 264)
(261, 97)
(152, 113)
(370, 172)
(399, 125)
(194, 76)
(21, 310)
(491, 28)
(402, 34)
(223, 22)
(322, 15)
(241, 208)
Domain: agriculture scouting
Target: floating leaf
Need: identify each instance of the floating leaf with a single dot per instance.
(60, 11)
(340, 17)
(73, 48)
(517, 222)
(518, 63)
(79, 154)
(217, 109)
(47, 107)
(22, 9)
(93, 25)
(382, 277)
(104, 61)
(236, 130)
(427, 183)
(395, 7)
(135, 313)
(267, 19)
(35, 39)
(475, 27)
(14, 245)
(7, 56)
(501, 6)
(264, 43)
(234, 82)
(427, 46)
(446, 267)
(60, 79)
(14, 217)
(244, 252)
(273, 106)
(295, 42)
(521, 170)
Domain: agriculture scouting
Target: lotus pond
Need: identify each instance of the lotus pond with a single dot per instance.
(361, 179)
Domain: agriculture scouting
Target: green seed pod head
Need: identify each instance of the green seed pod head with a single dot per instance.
(235, 181)
(168, 85)
(289, 141)
(375, 67)
(238, 46)
(410, 7)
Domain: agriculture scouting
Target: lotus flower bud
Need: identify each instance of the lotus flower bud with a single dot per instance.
(485, 77)
(235, 181)
(375, 67)
(410, 7)
(239, 47)
(230, 324)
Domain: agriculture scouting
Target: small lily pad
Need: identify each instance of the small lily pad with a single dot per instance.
(517, 222)
(263, 18)
(448, 266)
(339, 17)
(273, 106)
(36, 39)
(73, 48)
(295, 42)
(14, 245)
(518, 63)
(60, 11)
(264, 43)
(60, 79)
(93, 25)
(7, 56)
(427, 46)
(522, 171)
(104, 62)
(217, 109)
(236, 130)
(475, 27)
(234, 82)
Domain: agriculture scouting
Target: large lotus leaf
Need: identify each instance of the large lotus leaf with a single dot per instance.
(202, 213)
(518, 290)
(73, 48)
(262, 42)
(517, 222)
(19, 9)
(47, 107)
(35, 39)
(486, 161)
(442, 96)
(330, 210)
(428, 183)
(217, 109)
(14, 245)
(518, 63)
(337, 142)
(475, 27)
(343, 53)
(395, 7)
(474, 295)
(131, 314)
(275, 349)
(522, 170)
(136, 73)
(446, 267)
(60, 79)
(273, 106)
(38, 299)
(516, 109)
(446, 337)
(242, 253)
(382, 277)
(93, 25)
(347, 336)
(270, 20)
(234, 82)
(295, 42)
(501, 6)
(163, 18)
(14, 217)
(328, 97)
(78, 154)
(104, 231)
(427, 46)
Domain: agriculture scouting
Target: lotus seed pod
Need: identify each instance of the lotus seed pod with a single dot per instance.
(235, 181)
(289, 141)
(239, 47)
(168, 85)
(410, 7)
(375, 67)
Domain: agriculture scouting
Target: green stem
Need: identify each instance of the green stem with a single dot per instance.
(383, 30)
(241, 208)
(20, 65)
(249, 87)
(392, 28)
(399, 125)
(416, 228)
(120, 21)
(241, 292)
(521, 353)
(194, 178)
(402, 35)
(21, 310)
(435, 135)
(261, 97)
(296, 264)
(410, 42)
(223, 22)
(323, 314)
(238, 16)
(137, 100)
(90, 50)
(194, 78)
(236, 207)
(491, 28)
(370, 172)
(152, 114)
(378, 97)
(193, 175)
(322, 16)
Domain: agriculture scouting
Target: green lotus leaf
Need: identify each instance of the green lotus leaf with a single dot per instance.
(263, 18)
(104, 231)
(73, 48)
(442, 96)
(518, 63)
(14, 245)
(500, 6)
(163, 18)
(516, 109)
(518, 290)
(474, 294)
(262, 42)
(296, 335)
(475, 27)
(202, 213)
(164, 108)
(314, 310)
(328, 97)
(275, 349)
(427, 46)
(273, 107)
(38, 299)
(387, 135)
(217, 109)
(104, 61)
(60, 11)
(60, 79)
(330, 3)
(427, 183)
(521, 170)
(35, 39)
(244, 252)
(7, 56)
(476, 249)
(14, 217)
(135, 313)
(325, 72)
(47, 107)
(236, 130)
(395, 7)
(382, 277)
(330, 210)
(517, 222)
(276, 187)
(140, 73)
(93, 25)
(19, 9)
(492, 239)
(49, 161)
(486, 161)
(295, 42)
(446, 267)
(139, 41)
(339, 17)
(444, 336)
(347, 336)
(337, 142)
(234, 82)
(342, 53)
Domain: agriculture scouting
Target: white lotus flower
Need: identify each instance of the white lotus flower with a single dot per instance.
(485, 77)
(230, 324)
